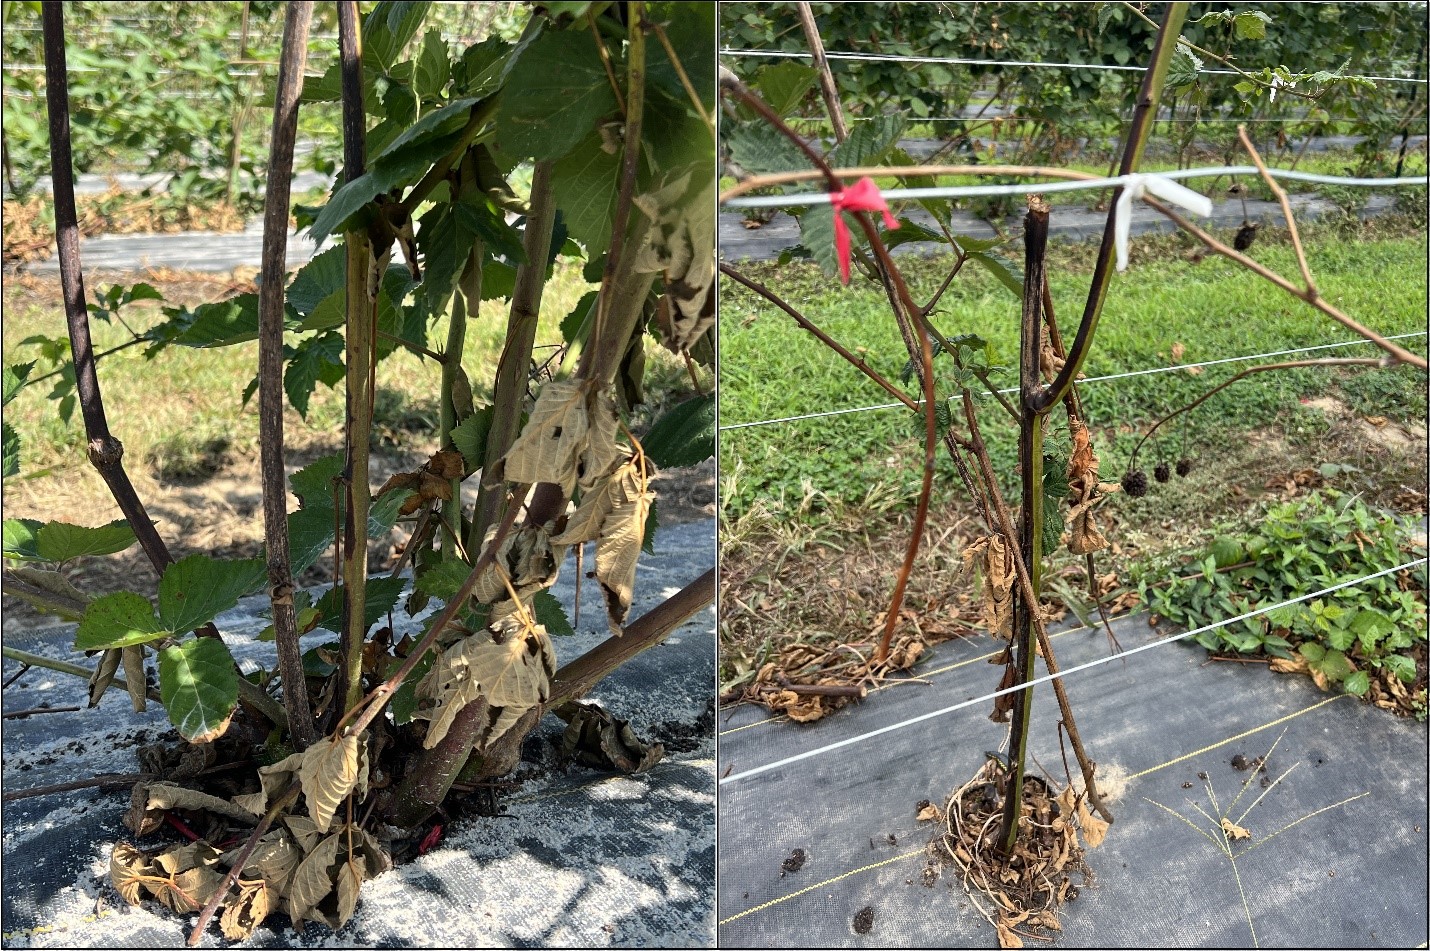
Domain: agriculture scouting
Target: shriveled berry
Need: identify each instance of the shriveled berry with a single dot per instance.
(1245, 236)
(1184, 466)
(1163, 472)
(1134, 483)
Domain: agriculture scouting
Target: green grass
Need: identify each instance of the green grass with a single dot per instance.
(181, 413)
(1214, 309)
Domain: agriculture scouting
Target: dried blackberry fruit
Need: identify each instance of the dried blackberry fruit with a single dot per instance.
(1184, 466)
(1245, 235)
(1134, 483)
(1163, 472)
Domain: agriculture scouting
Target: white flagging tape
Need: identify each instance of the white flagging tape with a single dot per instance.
(958, 61)
(1028, 188)
(820, 751)
(1090, 379)
(1134, 187)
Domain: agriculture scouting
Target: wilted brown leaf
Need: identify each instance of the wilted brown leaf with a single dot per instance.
(597, 739)
(244, 912)
(798, 708)
(681, 246)
(1295, 664)
(1006, 937)
(1093, 829)
(1234, 831)
(274, 779)
(329, 771)
(528, 559)
(314, 880)
(103, 675)
(618, 551)
(430, 482)
(515, 675)
(1085, 492)
(451, 685)
(1003, 706)
(929, 813)
(134, 677)
(157, 798)
(551, 443)
(274, 858)
(128, 868)
(991, 556)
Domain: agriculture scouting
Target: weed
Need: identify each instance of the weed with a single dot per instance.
(1356, 638)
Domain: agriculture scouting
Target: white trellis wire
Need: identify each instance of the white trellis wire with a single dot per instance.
(1027, 188)
(850, 741)
(960, 61)
(1093, 379)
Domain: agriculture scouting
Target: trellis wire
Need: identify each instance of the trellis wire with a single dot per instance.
(1093, 379)
(959, 61)
(1046, 678)
(1012, 117)
(1028, 188)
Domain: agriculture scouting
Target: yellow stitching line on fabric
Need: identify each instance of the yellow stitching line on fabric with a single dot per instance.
(1153, 769)
(1239, 736)
(885, 686)
(52, 929)
(818, 885)
(693, 764)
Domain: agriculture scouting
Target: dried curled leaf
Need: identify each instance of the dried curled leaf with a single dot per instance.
(681, 245)
(597, 739)
(244, 912)
(515, 674)
(990, 554)
(569, 437)
(149, 802)
(134, 676)
(1296, 664)
(1234, 831)
(1093, 829)
(314, 880)
(1085, 492)
(799, 708)
(430, 482)
(274, 858)
(329, 771)
(1007, 938)
(185, 876)
(614, 510)
(128, 868)
(274, 779)
(450, 685)
(103, 675)
(325, 885)
(305, 832)
(529, 559)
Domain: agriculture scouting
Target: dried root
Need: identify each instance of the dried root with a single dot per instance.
(1026, 889)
